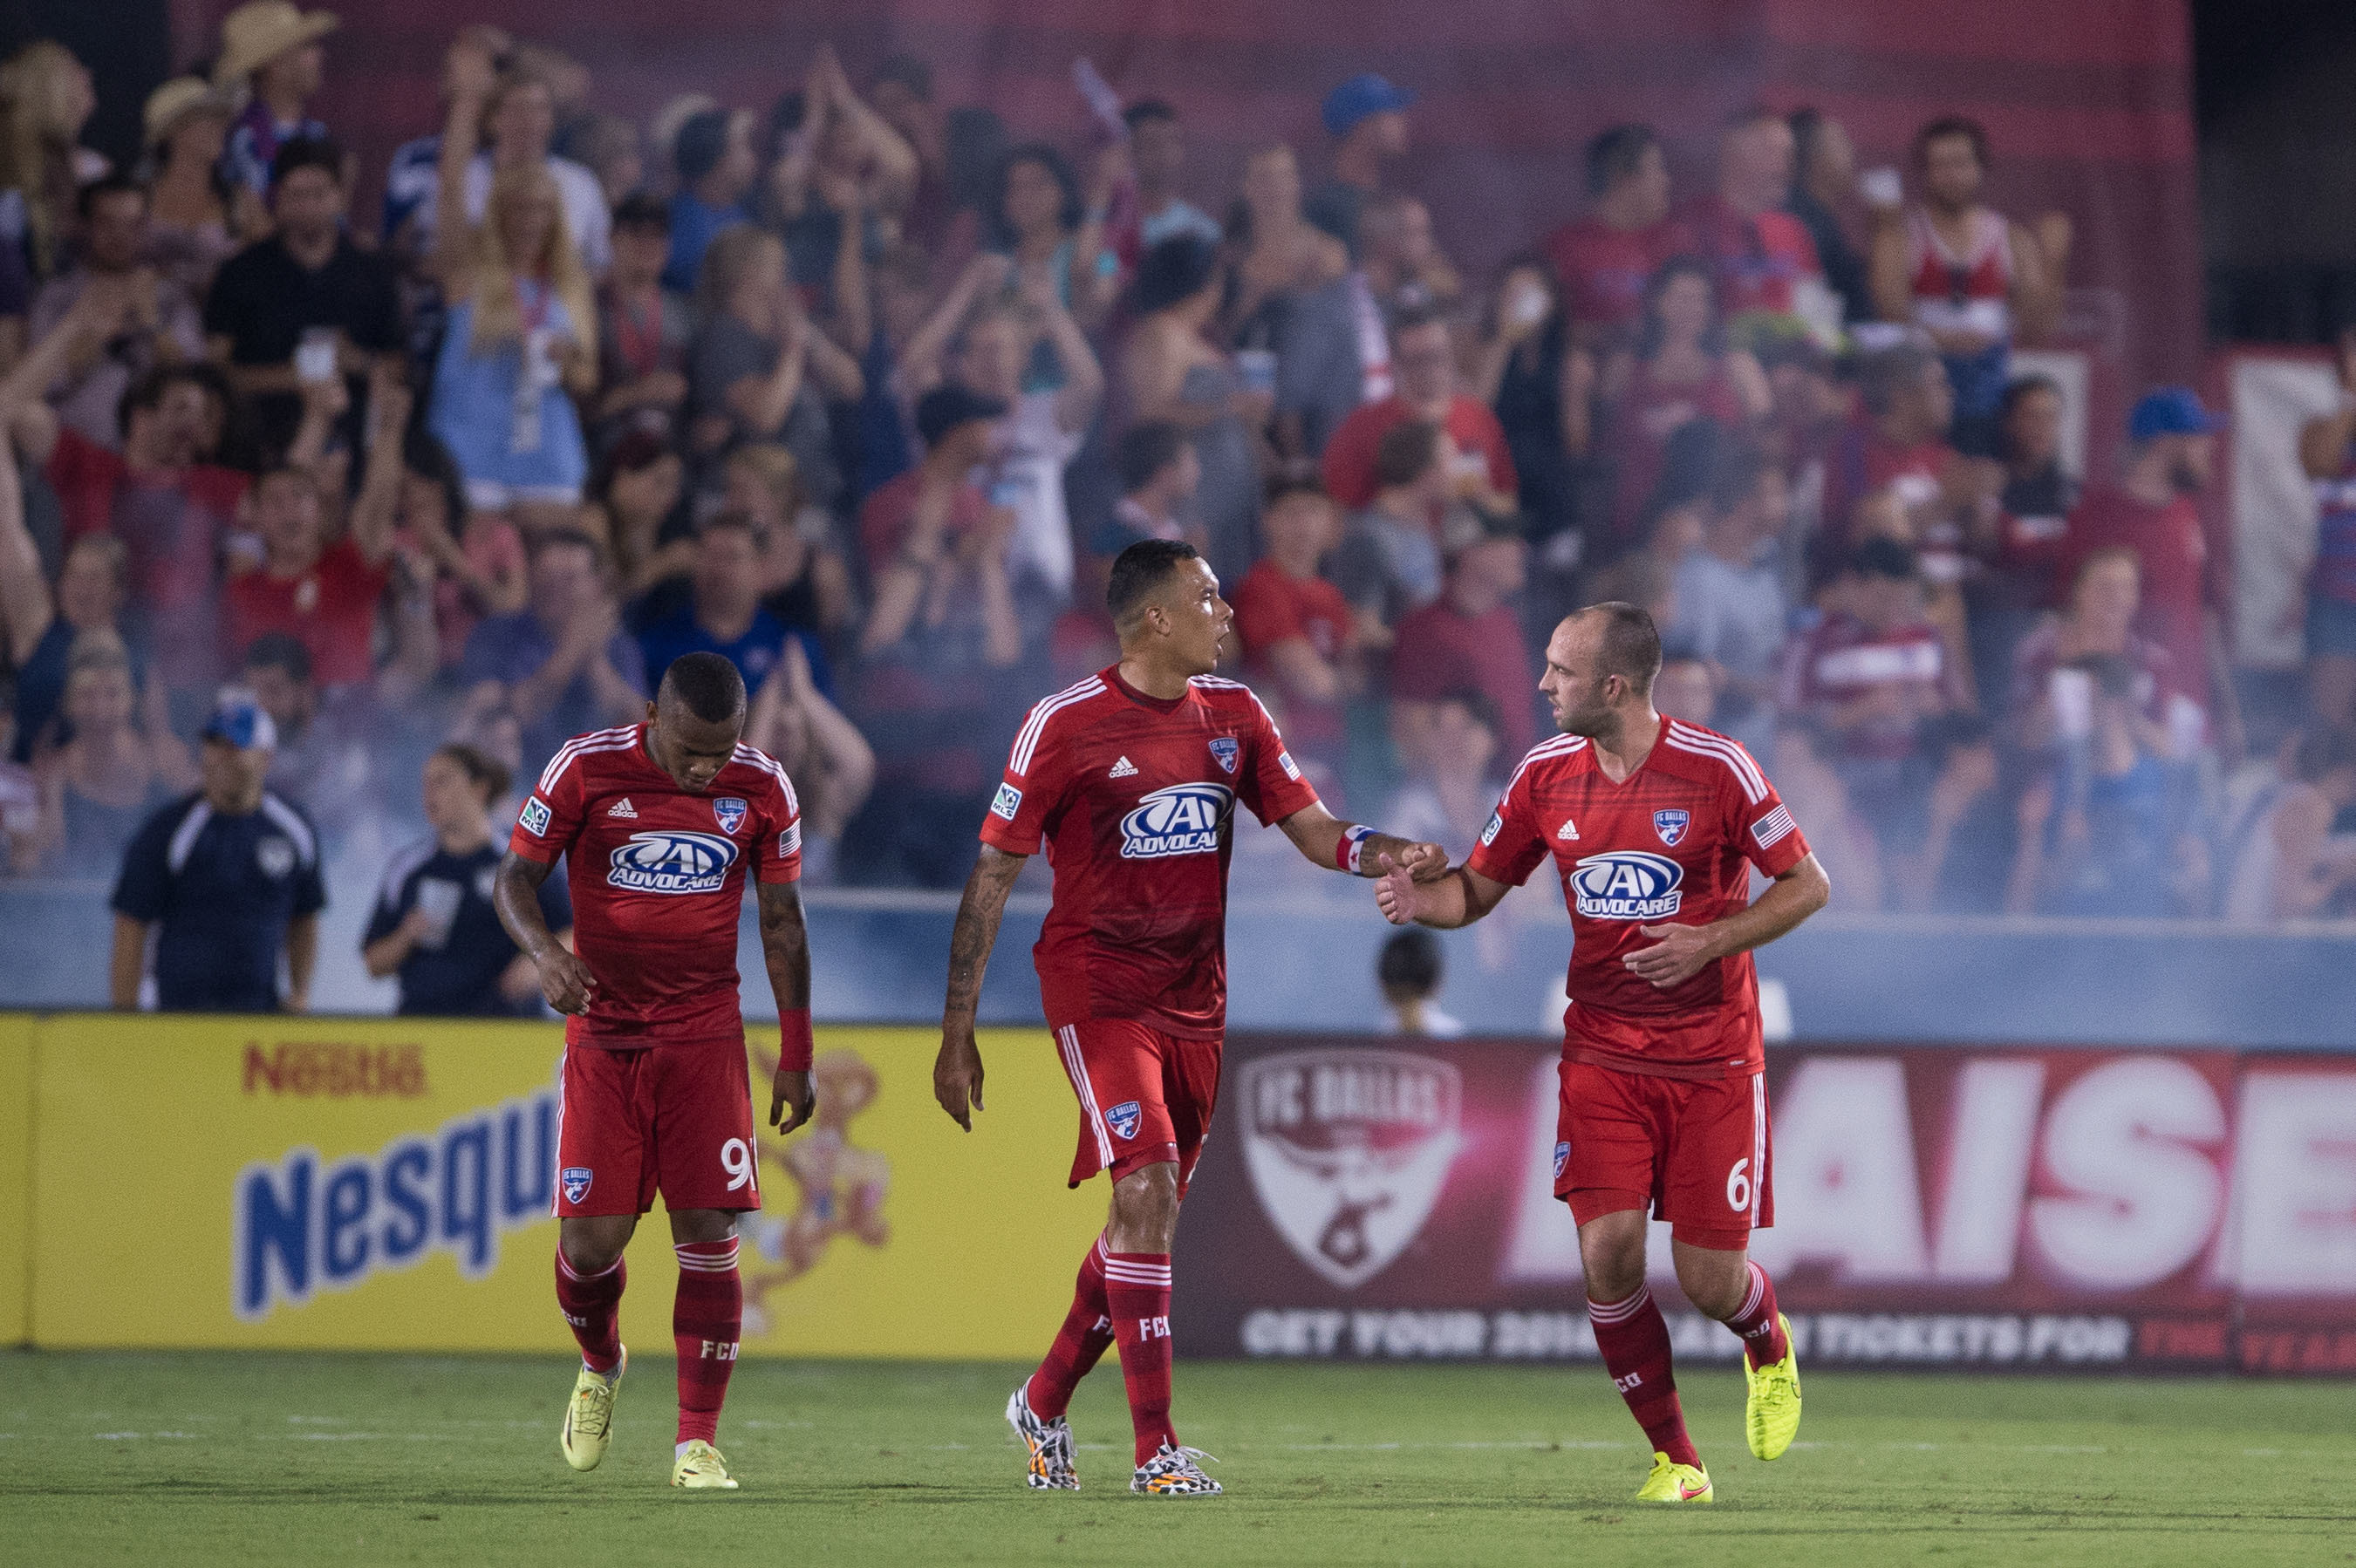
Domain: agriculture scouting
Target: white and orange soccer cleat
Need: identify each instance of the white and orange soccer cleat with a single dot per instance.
(1671, 1482)
(589, 1414)
(1048, 1443)
(1172, 1473)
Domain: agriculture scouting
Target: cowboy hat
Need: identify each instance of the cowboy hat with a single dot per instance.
(177, 100)
(259, 31)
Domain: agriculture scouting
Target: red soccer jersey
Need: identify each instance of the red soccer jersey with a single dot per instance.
(658, 880)
(1348, 466)
(329, 609)
(1273, 608)
(1603, 271)
(1134, 799)
(1672, 844)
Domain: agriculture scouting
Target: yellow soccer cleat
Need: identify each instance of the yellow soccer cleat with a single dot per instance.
(1671, 1482)
(1771, 1416)
(701, 1467)
(589, 1416)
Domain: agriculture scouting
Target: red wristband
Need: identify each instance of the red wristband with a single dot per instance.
(1348, 852)
(794, 1044)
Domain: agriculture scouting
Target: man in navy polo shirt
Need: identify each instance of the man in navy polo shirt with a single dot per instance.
(227, 879)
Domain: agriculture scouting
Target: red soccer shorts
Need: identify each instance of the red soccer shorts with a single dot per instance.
(673, 1118)
(1696, 1153)
(1145, 1096)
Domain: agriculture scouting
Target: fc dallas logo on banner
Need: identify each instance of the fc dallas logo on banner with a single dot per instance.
(1348, 1151)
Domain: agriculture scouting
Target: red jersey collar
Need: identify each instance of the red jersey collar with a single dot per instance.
(1112, 678)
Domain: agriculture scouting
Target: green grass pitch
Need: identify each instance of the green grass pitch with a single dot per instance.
(253, 1459)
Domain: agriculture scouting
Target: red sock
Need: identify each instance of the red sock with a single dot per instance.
(1080, 1343)
(705, 1319)
(1634, 1339)
(592, 1303)
(1764, 1340)
(1136, 1293)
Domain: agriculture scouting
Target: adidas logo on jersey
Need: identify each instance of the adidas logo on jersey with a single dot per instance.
(1569, 831)
(1123, 769)
(622, 807)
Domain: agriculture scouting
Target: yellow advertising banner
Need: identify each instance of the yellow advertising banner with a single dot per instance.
(385, 1184)
(15, 1178)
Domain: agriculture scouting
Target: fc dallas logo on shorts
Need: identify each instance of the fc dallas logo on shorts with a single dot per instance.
(577, 1180)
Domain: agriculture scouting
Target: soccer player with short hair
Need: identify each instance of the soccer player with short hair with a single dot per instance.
(659, 822)
(1654, 824)
(1130, 781)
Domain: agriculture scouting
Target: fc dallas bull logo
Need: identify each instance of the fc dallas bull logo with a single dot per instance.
(1347, 1151)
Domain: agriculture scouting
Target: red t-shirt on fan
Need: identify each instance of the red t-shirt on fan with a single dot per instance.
(330, 610)
(1348, 466)
(1134, 798)
(1272, 607)
(658, 880)
(1603, 271)
(1672, 844)
(2175, 556)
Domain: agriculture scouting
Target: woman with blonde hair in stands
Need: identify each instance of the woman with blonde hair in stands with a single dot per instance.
(46, 98)
(110, 772)
(521, 328)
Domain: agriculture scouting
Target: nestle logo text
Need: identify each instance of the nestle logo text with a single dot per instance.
(312, 1069)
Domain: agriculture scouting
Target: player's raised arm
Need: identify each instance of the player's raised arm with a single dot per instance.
(956, 1070)
(784, 948)
(564, 979)
(1359, 850)
(1679, 951)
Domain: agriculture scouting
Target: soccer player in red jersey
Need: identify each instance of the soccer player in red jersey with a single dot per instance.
(659, 823)
(1130, 779)
(1655, 825)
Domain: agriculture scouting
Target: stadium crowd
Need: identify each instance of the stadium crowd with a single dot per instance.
(864, 391)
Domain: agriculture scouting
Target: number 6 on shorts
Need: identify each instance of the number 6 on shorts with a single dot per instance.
(1738, 1186)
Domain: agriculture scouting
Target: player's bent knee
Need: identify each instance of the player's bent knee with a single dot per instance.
(594, 1243)
(1713, 1278)
(1612, 1254)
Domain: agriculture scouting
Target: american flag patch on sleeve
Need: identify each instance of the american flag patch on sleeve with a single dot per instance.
(790, 842)
(1773, 827)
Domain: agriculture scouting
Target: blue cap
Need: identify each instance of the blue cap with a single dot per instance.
(1360, 98)
(2172, 411)
(242, 722)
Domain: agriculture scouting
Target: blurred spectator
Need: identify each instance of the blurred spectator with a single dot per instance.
(1761, 255)
(1839, 833)
(321, 592)
(1680, 370)
(1730, 594)
(306, 287)
(433, 925)
(902, 94)
(172, 511)
(195, 216)
(111, 768)
(1671, 525)
(862, 173)
(476, 557)
(521, 333)
(758, 370)
(41, 623)
(515, 112)
(1455, 778)
(227, 880)
(1967, 846)
(1424, 358)
(2171, 439)
(2033, 516)
(1468, 639)
(46, 98)
(1967, 274)
(1388, 564)
(1038, 217)
(943, 622)
(1542, 389)
(1605, 261)
(1366, 117)
(1157, 156)
(608, 146)
(20, 814)
(271, 50)
(1686, 689)
(1402, 262)
(722, 613)
(832, 766)
(565, 664)
(1869, 674)
(412, 179)
(2113, 831)
(277, 672)
(2048, 701)
(1410, 972)
(2326, 450)
(1306, 328)
(2282, 858)
(804, 581)
(713, 157)
(1171, 371)
(156, 324)
(903, 295)
(1944, 502)
(1299, 639)
(1824, 185)
(637, 512)
(642, 327)
(1159, 472)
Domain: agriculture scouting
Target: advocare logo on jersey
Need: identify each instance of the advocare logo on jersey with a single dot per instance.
(1182, 819)
(665, 860)
(1627, 884)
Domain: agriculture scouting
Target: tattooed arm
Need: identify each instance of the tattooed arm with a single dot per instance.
(957, 1072)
